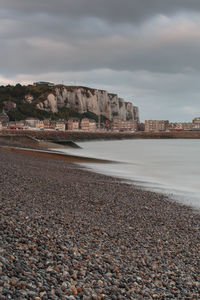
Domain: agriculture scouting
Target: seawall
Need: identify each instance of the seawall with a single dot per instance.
(83, 136)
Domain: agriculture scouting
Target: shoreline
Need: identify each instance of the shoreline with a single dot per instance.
(76, 159)
(55, 155)
(60, 224)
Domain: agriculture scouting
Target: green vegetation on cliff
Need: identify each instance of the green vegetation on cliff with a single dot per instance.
(12, 99)
(18, 92)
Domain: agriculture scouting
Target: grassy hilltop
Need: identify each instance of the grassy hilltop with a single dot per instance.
(13, 101)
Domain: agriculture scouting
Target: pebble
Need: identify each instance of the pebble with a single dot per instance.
(67, 233)
(74, 290)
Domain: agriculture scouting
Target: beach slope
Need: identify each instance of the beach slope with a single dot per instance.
(67, 233)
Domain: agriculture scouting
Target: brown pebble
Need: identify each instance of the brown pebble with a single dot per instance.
(74, 290)
(21, 284)
(13, 282)
(116, 271)
(79, 289)
(74, 276)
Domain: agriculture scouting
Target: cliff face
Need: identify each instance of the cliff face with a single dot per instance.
(82, 99)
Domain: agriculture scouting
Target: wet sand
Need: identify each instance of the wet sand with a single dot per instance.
(67, 233)
(50, 154)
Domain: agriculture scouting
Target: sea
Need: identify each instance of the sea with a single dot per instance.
(169, 166)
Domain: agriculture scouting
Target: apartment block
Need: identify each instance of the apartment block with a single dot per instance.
(92, 125)
(196, 123)
(116, 124)
(85, 124)
(60, 125)
(124, 125)
(47, 123)
(185, 126)
(73, 124)
(39, 124)
(156, 125)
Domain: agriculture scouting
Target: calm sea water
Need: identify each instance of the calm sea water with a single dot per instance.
(167, 166)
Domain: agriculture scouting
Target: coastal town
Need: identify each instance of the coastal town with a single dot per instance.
(90, 125)
(45, 106)
(73, 124)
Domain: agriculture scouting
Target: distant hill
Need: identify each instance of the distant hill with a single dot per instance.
(63, 102)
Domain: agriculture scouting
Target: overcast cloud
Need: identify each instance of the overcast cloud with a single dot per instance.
(147, 51)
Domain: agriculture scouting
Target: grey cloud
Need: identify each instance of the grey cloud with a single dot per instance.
(159, 96)
(146, 50)
(135, 51)
(49, 43)
(112, 10)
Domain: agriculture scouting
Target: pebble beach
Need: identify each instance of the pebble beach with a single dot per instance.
(68, 233)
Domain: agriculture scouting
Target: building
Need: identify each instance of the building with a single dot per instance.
(156, 125)
(140, 126)
(130, 125)
(73, 124)
(88, 125)
(17, 125)
(60, 125)
(92, 125)
(47, 123)
(39, 124)
(187, 126)
(31, 122)
(4, 118)
(124, 125)
(12, 125)
(116, 124)
(43, 83)
(85, 124)
(180, 126)
(196, 124)
(20, 125)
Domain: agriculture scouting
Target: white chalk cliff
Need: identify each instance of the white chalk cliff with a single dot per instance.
(83, 99)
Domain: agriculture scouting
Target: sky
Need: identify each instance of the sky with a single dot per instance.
(146, 51)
